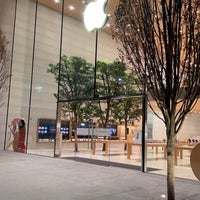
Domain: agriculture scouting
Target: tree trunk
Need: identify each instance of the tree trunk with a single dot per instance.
(106, 122)
(107, 113)
(126, 132)
(170, 162)
(75, 133)
(70, 129)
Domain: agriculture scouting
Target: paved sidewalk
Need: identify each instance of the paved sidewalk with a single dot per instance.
(31, 177)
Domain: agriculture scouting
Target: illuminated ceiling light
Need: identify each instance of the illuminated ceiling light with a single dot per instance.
(119, 79)
(38, 88)
(163, 196)
(57, 1)
(71, 7)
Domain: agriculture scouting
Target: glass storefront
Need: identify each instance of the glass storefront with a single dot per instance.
(7, 15)
(71, 104)
(95, 139)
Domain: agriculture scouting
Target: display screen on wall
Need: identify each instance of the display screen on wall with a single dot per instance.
(112, 127)
(86, 125)
(47, 129)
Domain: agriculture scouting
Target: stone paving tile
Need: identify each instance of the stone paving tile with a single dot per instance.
(25, 176)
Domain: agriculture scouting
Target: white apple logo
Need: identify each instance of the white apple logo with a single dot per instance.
(94, 15)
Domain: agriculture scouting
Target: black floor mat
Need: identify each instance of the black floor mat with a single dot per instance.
(107, 163)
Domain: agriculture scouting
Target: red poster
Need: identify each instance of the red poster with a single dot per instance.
(18, 131)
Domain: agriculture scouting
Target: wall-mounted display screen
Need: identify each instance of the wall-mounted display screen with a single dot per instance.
(47, 129)
(86, 125)
(112, 127)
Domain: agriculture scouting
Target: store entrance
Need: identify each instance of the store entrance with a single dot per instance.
(104, 131)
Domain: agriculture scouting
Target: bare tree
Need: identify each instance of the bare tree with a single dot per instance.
(4, 67)
(160, 39)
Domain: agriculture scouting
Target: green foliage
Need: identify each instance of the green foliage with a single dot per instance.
(109, 76)
(114, 79)
(76, 77)
(127, 109)
(76, 81)
(88, 110)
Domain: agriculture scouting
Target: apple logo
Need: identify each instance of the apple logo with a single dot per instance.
(94, 15)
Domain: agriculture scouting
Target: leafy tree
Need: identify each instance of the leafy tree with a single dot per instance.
(4, 67)
(128, 109)
(114, 79)
(160, 41)
(75, 82)
(88, 111)
(108, 85)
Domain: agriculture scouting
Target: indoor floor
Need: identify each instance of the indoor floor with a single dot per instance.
(156, 163)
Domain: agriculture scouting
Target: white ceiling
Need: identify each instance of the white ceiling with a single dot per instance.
(75, 8)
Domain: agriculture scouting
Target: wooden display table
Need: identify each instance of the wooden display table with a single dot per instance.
(179, 151)
(129, 146)
(153, 145)
(107, 144)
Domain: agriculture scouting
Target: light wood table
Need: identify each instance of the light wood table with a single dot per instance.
(153, 145)
(179, 151)
(129, 146)
(107, 144)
